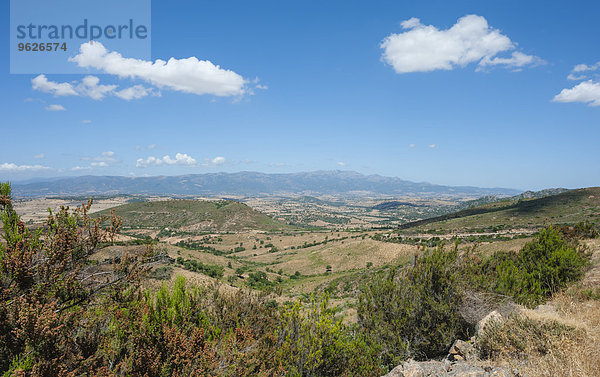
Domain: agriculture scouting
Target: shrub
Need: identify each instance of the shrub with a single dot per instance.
(258, 280)
(520, 335)
(414, 313)
(162, 273)
(312, 342)
(543, 267)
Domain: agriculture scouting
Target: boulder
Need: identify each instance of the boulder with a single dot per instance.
(413, 368)
(492, 317)
(462, 350)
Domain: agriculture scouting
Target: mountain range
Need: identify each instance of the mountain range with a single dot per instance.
(344, 183)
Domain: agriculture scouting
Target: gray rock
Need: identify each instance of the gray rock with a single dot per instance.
(462, 350)
(413, 368)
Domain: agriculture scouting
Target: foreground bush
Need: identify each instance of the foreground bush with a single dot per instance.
(313, 342)
(414, 313)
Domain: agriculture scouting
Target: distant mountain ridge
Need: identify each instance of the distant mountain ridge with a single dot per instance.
(250, 184)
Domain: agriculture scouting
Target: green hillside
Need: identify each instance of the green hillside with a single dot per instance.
(195, 215)
(566, 208)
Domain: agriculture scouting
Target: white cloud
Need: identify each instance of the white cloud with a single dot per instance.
(584, 67)
(411, 145)
(42, 84)
(185, 75)
(104, 160)
(583, 71)
(20, 168)
(585, 92)
(423, 48)
(517, 60)
(88, 87)
(218, 161)
(39, 156)
(55, 108)
(574, 77)
(180, 159)
(149, 147)
(341, 163)
(432, 146)
(134, 92)
(86, 121)
(79, 168)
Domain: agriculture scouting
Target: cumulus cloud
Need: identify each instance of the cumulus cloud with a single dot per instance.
(189, 75)
(134, 92)
(218, 161)
(39, 156)
(424, 48)
(42, 84)
(86, 121)
(432, 146)
(21, 168)
(411, 145)
(55, 108)
(584, 67)
(585, 92)
(101, 164)
(583, 71)
(341, 163)
(88, 87)
(180, 159)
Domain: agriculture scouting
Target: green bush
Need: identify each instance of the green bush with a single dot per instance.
(543, 267)
(414, 313)
(313, 342)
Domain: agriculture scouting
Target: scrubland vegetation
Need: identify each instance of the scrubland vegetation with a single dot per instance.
(62, 312)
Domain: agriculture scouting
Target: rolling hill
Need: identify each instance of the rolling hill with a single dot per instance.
(567, 207)
(195, 216)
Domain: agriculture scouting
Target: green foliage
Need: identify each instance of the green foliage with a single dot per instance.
(259, 280)
(313, 342)
(414, 313)
(211, 270)
(162, 273)
(544, 266)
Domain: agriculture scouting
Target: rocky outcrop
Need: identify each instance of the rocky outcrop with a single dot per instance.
(444, 368)
(463, 351)
(462, 360)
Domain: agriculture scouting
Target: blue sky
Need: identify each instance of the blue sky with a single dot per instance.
(304, 85)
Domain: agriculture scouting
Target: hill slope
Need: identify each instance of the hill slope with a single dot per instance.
(250, 184)
(565, 208)
(195, 215)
